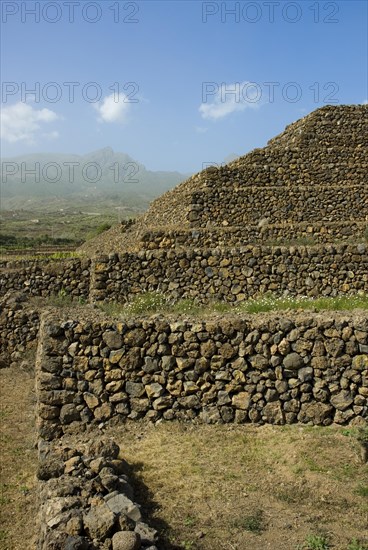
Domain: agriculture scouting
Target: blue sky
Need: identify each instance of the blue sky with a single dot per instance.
(177, 84)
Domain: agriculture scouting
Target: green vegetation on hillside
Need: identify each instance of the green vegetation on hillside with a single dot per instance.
(12, 242)
(51, 225)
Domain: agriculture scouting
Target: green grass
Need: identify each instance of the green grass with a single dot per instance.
(184, 305)
(189, 521)
(292, 494)
(362, 491)
(273, 303)
(363, 435)
(64, 299)
(148, 302)
(357, 545)
(156, 302)
(315, 542)
(52, 256)
(102, 228)
(350, 432)
(4, 500)
(60, 255)
(313, 466)
(347, 471)
(253, 523)
(61, 299)
(187, 545)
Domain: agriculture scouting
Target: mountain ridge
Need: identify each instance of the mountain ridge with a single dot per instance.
(103, 171)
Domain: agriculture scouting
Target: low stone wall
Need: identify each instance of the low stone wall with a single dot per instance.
(298, 164)
(264, 369)
(232, 274)
(19, 324)
(281, 234)
(86, 499)
(229, 274)
(312, 203)
(46, 277)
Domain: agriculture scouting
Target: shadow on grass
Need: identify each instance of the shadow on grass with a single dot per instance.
(145, 498)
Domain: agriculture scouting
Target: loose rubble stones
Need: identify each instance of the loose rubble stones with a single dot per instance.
(86, 500)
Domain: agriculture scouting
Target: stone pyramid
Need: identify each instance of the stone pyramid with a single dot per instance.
(309, 185)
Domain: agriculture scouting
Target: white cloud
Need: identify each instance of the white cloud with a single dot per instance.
(365, 102)
(113, 108)
(230, 98)
(21, 122)
(51, 135)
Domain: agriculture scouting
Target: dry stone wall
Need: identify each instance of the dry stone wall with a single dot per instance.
(262, 233)
(340, 125)
(19, 324)
(297, 204)
(264, 369)
(22, 280)
(229, 274)
(46, 277)
(233, 275)
(301, 164)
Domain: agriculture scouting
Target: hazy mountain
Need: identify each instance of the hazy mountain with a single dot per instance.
(102, 173)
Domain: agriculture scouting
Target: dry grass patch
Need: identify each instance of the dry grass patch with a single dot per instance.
(239, 487)
(18, 503)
